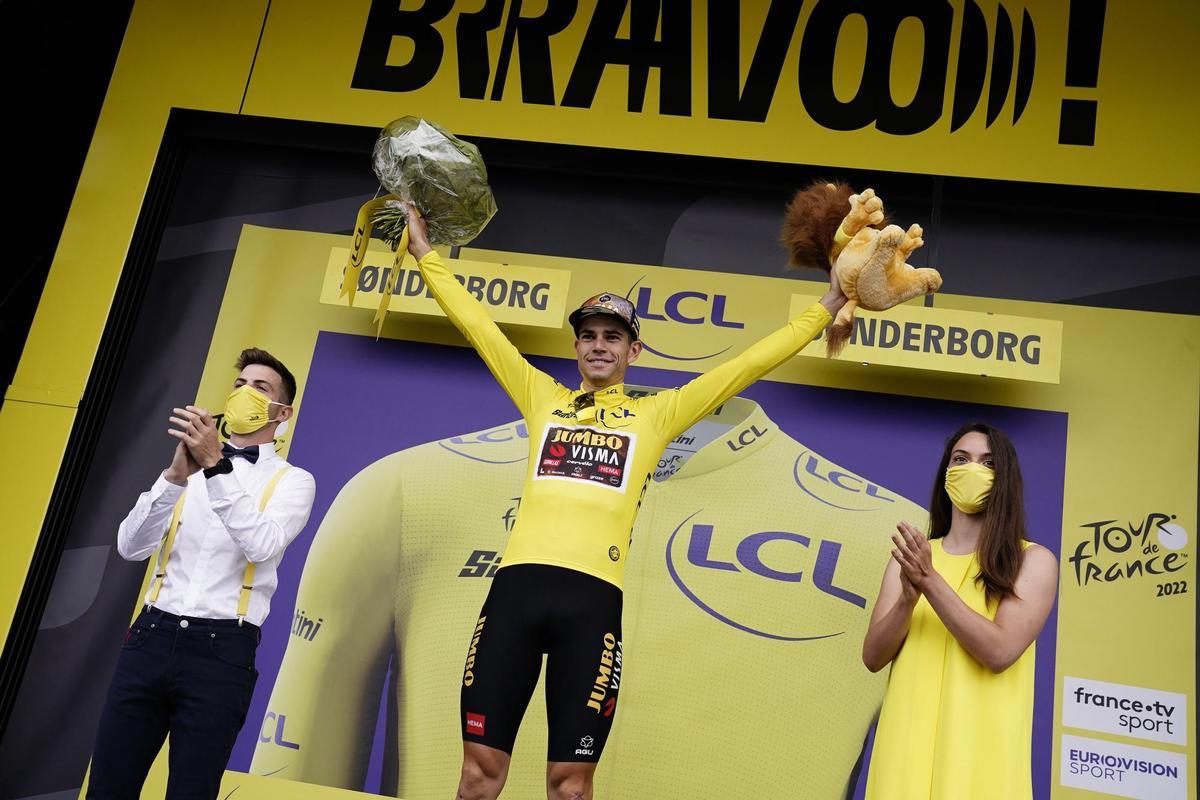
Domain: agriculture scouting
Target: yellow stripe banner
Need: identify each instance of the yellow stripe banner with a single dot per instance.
(945, 340)
(520, 295)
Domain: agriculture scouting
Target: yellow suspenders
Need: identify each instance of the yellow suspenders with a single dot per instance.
(164, 552)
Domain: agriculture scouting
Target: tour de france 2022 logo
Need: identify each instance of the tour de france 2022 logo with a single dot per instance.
(1152, 547)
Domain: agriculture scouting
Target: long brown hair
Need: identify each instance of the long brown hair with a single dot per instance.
(999, 550)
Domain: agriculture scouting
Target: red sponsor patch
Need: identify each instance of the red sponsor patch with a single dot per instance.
(610, 706)
(475, 723)
(557, 450)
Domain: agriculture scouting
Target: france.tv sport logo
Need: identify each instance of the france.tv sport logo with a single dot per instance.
(1124, 710)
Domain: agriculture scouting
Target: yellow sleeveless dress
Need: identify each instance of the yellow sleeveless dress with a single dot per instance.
(950, 728)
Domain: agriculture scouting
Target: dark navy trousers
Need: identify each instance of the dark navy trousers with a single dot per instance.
(186, 677)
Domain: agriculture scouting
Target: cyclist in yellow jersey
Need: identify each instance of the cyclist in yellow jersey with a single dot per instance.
(592, 452)
(423, 530)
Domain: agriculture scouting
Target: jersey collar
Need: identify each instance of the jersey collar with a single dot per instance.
(751, 430)
(608, 397)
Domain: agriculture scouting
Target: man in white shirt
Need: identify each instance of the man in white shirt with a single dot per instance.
(227, 513)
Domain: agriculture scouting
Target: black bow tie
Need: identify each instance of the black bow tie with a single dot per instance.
(249, 453)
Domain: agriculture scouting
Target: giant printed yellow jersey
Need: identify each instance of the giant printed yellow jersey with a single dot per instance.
(588, 467)
(753, 567)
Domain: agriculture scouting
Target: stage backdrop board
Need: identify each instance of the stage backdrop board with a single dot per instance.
(388, 388)
(1075, 94)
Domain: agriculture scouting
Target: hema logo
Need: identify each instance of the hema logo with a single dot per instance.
(686, 307)
(706, 560)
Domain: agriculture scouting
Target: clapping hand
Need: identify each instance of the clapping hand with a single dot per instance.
(196, 429)
(182, 465)
(913, 554)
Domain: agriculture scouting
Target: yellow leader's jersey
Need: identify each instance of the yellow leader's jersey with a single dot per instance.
(588, 467)
(755, 563)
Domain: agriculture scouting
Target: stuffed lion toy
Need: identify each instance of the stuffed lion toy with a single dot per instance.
(828, 226)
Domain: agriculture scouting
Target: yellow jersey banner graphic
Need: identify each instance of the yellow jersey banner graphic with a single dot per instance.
(1039, 91)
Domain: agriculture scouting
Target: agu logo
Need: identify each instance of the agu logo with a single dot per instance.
(773, 584)
(475, 723)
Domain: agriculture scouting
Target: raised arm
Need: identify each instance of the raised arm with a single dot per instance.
(996, 644)
(698, 398)
(261, 535)
(526, 385)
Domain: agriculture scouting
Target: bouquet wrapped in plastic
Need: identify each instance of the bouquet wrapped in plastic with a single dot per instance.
(442, 176)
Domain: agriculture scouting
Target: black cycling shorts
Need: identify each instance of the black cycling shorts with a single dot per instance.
(573, 618)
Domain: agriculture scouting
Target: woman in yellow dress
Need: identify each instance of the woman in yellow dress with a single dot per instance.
(957, 617)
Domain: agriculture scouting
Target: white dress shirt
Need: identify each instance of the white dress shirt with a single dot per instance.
(220, 530)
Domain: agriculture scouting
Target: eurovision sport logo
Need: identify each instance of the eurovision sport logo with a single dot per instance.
(1122, 769)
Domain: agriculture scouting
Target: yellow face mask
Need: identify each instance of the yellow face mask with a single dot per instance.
(248, 410)
(969, 486)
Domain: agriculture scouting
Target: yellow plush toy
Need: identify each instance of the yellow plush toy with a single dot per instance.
(828, 226)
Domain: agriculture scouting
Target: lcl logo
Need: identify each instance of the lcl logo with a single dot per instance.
(686, 307)
(706, 551)
(475, 446)
(833, 487)
(267, 735)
